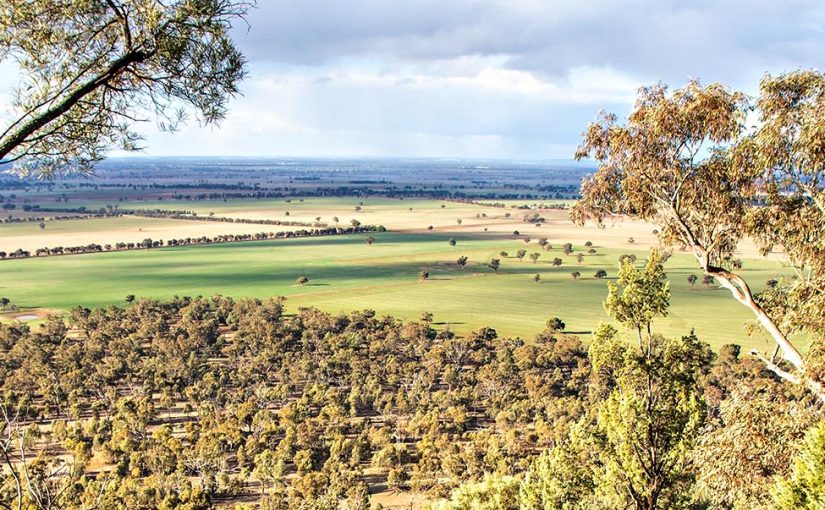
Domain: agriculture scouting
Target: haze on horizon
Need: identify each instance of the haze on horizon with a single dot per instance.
(477, 79)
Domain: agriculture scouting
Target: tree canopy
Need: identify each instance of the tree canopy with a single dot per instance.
(91, 70)
(685, 160)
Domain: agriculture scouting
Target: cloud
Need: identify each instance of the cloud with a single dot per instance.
(727, 40)
(481, 78)
(483, 111)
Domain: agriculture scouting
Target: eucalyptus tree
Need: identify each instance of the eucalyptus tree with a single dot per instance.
(90, 71)
(684, 160)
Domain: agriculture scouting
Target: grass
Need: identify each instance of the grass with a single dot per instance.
(346, 274)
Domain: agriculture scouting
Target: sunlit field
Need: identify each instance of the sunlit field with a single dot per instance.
(346, 273)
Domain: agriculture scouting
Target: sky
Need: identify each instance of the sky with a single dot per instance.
(479, 79)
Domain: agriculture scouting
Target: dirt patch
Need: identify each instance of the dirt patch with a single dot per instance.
(27, 314)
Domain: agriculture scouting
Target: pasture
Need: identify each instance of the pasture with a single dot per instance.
(345, 273)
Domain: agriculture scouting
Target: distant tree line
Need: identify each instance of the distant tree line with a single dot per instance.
(150, 243)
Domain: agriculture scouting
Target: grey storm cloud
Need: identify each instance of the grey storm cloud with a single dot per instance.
(482, 78)
(731, 41)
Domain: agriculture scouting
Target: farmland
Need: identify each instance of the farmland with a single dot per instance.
(346, 273)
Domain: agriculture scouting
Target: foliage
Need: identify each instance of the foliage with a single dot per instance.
(633, 447)
(805, 488)
(243, 393)
(98, 67)
(684, 161)
(758, 432)
(639, 296)
(491, 493)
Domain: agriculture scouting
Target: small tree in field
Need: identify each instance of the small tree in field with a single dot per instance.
(555, 324)
(707, 280)
(601, 273)
(370, 240)
(567, 248)
(537, 278)
(452, 241)
(535, 256)
(462, 261)
(355, 223)
(580, 257)
(575, 275)
(557, 262)
(495, 265)
(503, 254)
(520, 254)
(692, 279)
(459, 221)
(301, 280)
(424, 275)
(130, 298)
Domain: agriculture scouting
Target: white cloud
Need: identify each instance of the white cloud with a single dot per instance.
(486, 78)
(483, 111)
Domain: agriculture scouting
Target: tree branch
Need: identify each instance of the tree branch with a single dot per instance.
(19, 137)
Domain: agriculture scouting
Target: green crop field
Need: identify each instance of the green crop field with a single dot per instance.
(346, 274)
